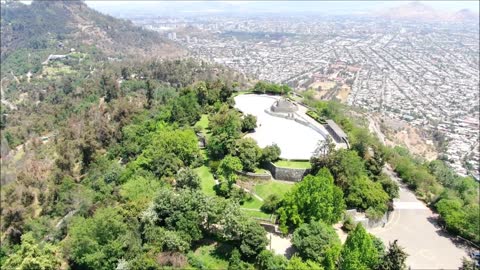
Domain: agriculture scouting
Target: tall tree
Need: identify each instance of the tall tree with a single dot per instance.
(227, 170)
(363, 193)
(253, 239)
(345, 165)
(225, 127)
(394, 258)
(314, 198)
(248, 151)
(185, 109)
(319, 242)
(168, 151)
(109, 86)
(149, 94)
(359, 251)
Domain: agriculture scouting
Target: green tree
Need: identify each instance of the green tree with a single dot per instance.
(228, 168)
(185, 110)
(359, 251)
(31, 255)
(365, 194)
(99, 242)
(271, 88)
(225, 127)
(394, 259)
(314, 198)
(183, 211)
(267, 260)
(202, 93)
(459, 218)
(296, 263)
(319, 242)
(249, 123)
(109, 86)
(345, 165)
(253, 239)
(249, 153)
(159, 239)
(187, 178)
(168, 151)
(149, 94)
(270, 153)
(271, 203)
(389, 186)
(140, 187)
(235, 262)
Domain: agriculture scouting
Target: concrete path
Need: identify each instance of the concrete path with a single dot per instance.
(294, 139)
(280, 245)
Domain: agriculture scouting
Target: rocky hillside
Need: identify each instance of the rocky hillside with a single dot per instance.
(53, 27)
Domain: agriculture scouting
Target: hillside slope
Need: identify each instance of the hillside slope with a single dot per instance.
(54, 27)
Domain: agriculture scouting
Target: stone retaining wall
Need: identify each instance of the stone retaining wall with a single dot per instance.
(296, 118)
(260, 176)
(269, 227)
(366, 222)
(287, 174)
(289, 116)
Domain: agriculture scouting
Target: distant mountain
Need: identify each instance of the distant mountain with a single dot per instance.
(421, 12)
(465, 15)
(69, 24)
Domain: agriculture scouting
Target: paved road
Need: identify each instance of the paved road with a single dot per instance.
(413, 224)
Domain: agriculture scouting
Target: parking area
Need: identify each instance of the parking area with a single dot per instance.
(295, 140)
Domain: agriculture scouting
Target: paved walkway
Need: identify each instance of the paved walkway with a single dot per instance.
(415, 227)
(280, 245)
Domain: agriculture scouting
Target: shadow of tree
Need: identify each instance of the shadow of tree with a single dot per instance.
(441, 231)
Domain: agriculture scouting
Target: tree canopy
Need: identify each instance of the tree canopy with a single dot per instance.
(319, 242)
(314, 198)
(359, 251)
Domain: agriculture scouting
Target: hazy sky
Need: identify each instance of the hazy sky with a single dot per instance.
(321, 7)
(183, 8)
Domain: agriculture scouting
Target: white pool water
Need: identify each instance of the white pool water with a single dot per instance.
(295, 140)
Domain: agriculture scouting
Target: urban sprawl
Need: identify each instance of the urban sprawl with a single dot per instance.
(422, 73)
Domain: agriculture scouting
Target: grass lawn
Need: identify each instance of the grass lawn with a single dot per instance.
(294, 164)
(256, 214)
(212, 256)
(238, 93)
(207, 181)
(254, 203)
(203, 123)
(271, 187)
(257, 170)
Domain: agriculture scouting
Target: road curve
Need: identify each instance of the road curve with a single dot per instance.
(415, 227)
